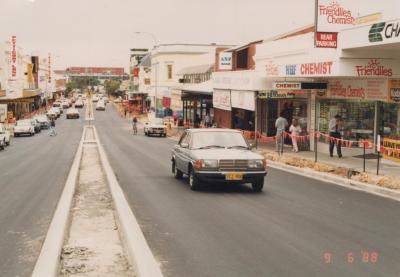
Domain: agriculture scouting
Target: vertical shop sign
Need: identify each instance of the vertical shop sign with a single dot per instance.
(13, 57)
(49, 69)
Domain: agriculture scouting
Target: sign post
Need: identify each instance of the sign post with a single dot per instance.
(378, 149)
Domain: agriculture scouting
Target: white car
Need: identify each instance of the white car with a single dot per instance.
(43, 121)
(100, 106)
(155, 127)
(72, 113)
(24, 127)
(65, 105)
(4, 136)
(79, 103)
(95, 99)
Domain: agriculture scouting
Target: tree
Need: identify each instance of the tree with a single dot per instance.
(111, 86)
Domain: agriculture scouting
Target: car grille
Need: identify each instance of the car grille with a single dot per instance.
(233, 165)
(158, 129)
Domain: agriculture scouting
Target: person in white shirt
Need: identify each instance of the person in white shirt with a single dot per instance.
(280, 124)
(295, 131)
(334, 132)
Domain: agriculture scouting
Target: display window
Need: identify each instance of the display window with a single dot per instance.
(358, 117)
(389, 118)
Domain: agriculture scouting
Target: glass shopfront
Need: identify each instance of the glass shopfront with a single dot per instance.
(358, 117)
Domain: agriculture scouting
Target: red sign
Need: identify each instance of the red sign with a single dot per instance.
(166, 102)
(373, 68)
(135, 72)
(14, 56)
(326, 40)
(321, 68)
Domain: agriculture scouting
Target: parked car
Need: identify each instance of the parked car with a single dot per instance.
(5, 134)
(57, 111)
(43, 121)
(100, 106)
(65, 105)
(79, 103)
(24, 127)
(52, 114)
(36, 125)
(72, 113)
(95, 98)
(155, 127)
(217, 156)
(57, 104)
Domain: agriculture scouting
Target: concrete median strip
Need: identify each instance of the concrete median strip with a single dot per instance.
(94, 232)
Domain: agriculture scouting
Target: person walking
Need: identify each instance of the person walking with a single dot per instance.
(207, 120)
(134, 125)
(52, 131)
(335, 136)
(280, 124)
(295, 130)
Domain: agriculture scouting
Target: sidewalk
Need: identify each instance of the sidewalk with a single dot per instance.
(387, 168)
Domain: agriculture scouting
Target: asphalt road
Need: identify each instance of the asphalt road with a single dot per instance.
(33, 171)
(291, 229)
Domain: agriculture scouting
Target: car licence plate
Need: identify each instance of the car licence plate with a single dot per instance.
(233, 176)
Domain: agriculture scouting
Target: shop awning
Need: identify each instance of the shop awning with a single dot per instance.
(200, 88)
(198, 69)
(30, 92)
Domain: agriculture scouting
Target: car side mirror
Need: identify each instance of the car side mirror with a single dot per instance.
(185, 145)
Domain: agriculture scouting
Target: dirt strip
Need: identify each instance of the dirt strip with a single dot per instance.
(93, 247)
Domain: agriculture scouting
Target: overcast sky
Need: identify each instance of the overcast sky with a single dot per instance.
(100, 32)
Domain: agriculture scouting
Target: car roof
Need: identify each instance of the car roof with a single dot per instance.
(210, 130)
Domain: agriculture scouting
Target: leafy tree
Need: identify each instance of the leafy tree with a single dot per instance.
(111, 86)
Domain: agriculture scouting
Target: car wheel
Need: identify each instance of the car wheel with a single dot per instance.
(177, 173)
(258, 185)
(194, 182)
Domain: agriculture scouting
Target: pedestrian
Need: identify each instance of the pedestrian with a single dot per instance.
(335, 136)
(295, 130)
(280, 124)
(207, 120)
(125, 111)
(52, 131)
(197, 121)
(134, 125)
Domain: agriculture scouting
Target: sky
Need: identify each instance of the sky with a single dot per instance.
(101, 32)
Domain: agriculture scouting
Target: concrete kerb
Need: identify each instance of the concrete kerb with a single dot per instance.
(140, 254)
(337, 180)
(47, 264)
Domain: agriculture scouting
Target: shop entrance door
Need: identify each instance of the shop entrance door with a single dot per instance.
(272, 115)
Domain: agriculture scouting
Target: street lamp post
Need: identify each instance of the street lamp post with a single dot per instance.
(155, 64)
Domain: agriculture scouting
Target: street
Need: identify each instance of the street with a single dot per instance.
(296, 227)
(33, 171)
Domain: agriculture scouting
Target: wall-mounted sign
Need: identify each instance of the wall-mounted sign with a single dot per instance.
(272, 69)
(362, 89)
(243, 99)
(326, 40)
(274, 94)
(225, 61)
(320, 68)
(373, 68)
(332, 16)
(49, 68)
(291, 69)
(286, 85)
(13, 57)
(384, 31)
(222, 99)
(394, 90)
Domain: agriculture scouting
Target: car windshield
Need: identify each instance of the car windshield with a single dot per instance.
(24, 123)
(157, 121)
(218, 139)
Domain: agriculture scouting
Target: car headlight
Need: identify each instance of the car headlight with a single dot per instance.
(209, 163)
(256, 163)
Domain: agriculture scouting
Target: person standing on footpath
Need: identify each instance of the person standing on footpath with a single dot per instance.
(280, 124)
(334, 133)
(295, 130)
(207, 121)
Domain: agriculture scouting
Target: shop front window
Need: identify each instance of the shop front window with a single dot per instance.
(358, 117)
(390, 120)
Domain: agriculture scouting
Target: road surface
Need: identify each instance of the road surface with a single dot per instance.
(33, 171)
(296, 227)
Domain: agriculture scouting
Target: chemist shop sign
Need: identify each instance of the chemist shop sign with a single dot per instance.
(360, 89)
(333, 16)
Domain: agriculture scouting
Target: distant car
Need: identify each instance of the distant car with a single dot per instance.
(100, 106)
(118, 100)
(57, 111)
(72, 113)
(24, 127)
(106, 100)
(79, 103)
(36, 125)
(155, 127)
(217, 156)
(65, 105)
(57, 104)
(43, 121)
(52, 114)
(95, 98)
(5, 134)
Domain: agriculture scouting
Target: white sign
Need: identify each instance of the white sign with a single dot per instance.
(378, 143)
(286, 85)
(13, 57)
(243, 99)
(225, 61)
(333, 16)
(222, 99)
(3, 112)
